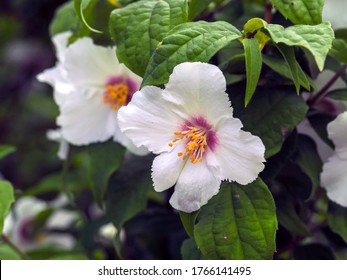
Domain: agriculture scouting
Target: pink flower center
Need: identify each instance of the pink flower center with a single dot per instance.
(119, 91)
(198, 135)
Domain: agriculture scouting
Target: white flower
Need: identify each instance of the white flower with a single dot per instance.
(334, 175)
(21, 228)
(190, 124)
(335, 12)
(90, 85)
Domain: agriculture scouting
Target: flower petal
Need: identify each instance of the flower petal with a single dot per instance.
(56, 135)
(166, 169)
(89, 65)
(148, 120)
(199, 88)
(60, 42)
(86, 120)
(239, 155)
(195, 186)
(334, 179)
(337, 133)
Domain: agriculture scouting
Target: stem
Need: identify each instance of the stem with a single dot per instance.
(268, 11)
(323, 91)
(14, 247)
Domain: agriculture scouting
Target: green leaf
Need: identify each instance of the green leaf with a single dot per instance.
(188, 221)
(282, 68)
(104, 159)
(309, 160)
(300, 11)
(317, 39)
(271, 115)
(337, 219)
(339, 50)
(83, 7)
(197, 6)
(338, 94)
(194, 41)
(128, 190)
(65, 19)
(238, 223)
(138, 29)
(289, 218)
(253, 66)
(6, 199)
(6, 150)
(190, 251)
(8, 253)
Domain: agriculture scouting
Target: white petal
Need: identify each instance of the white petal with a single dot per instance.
(199, 88)
(56, 135)
(89, 65)
(149, 121)
(239, 155)
(166, 169)
(86, 120)
(337, 131)
(334, 179)
(60, 42)
(61, 219)
(195, 186)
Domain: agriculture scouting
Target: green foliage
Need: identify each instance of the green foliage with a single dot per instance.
(6, 150)
(253, 66)
(194, 41)
(271, 115)
(8, 253)
(188, 221)
(6, 200)
(104, 159)
(82, 7)
(300, 11)
(338, 94)
(139, 28)
(238, 223)
(190, 251)
(339, 50)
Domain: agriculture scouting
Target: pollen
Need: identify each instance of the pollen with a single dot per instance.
(116, 95)
(195, 143)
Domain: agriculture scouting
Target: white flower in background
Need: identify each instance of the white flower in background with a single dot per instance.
(20, 225)
(334, 175)
(90, 85)
(190, 124)
(335, 12)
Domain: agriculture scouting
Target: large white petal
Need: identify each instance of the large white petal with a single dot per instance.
(334, 179)
(89, 65)
(337, 132)
(86, 120)
(195, 186)
(239, 155)
(199, 88)
(166, 169)
(149, 121)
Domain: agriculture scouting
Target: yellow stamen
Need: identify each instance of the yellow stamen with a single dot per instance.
(195, 147)
(116, 95)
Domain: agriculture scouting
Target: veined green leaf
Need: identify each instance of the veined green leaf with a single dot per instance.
(104, 159)
(194, 41)
(6, 199)
(253, 66)
(300, 11)
(315, 38)
(190, 251)
(138, 28)
(238, 223)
